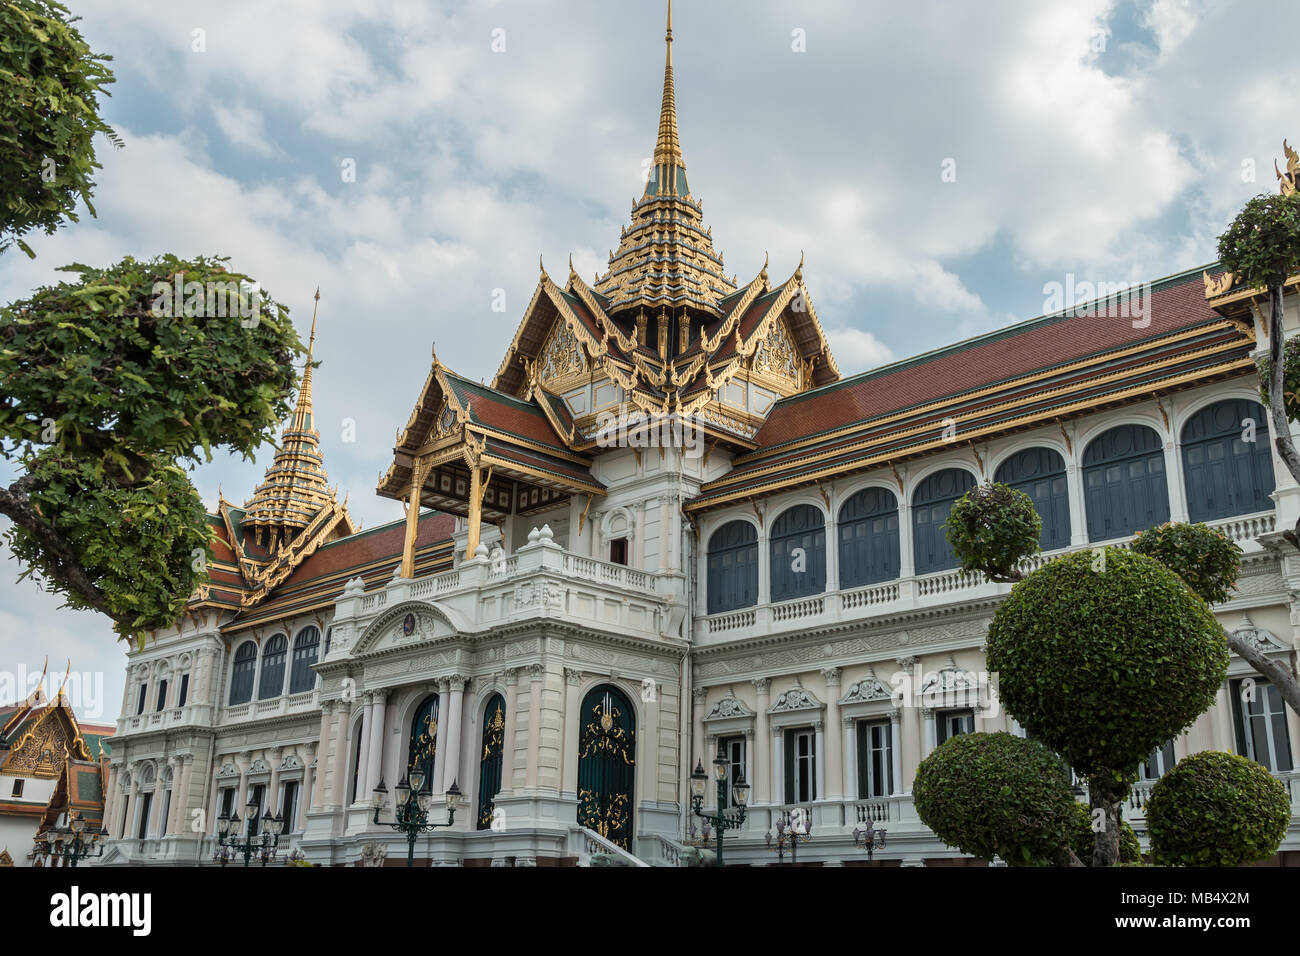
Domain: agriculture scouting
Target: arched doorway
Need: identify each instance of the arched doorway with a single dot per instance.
(489, 771)
(424, 737)
(607, 765)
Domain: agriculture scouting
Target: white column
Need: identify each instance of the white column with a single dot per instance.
(1174, 482)
(376, 755)
(906, 548)
(763, 789)
(182, 799)
(570, 730)
(273, 786)
(314, 794)
(832, 552)
(835, 772)
(363, 757)
(536, 675)
(454, 743)
(1078, 505)
(931, 731)
(308, 787)
(338, 796)
(508, 742)
(821, 752)
(440, 784)
(764, 567)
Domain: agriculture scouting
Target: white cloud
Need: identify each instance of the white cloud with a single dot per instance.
(857, 351)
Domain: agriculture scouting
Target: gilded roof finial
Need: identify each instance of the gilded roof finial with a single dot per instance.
(668, 148)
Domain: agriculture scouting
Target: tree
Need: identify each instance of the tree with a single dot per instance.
(992, 528)
(1083, 838)
(113, 383)
(1103, 656)
(1210, 562)
(1262, 249)
(1217, 809)
(998, 795)
(50, 85)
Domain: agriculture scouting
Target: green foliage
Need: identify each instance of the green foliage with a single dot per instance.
(50, 85)
(1082, 838)
(1262, 245)
(144, 547)
(996, 794)
(1290, 380)
(992, 528)
(109, 385)
(1208, 560)
(1217, 809)
(92, 362)
(1103, 656)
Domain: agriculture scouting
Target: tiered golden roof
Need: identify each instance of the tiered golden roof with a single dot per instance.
(666, 259)
(294, 489)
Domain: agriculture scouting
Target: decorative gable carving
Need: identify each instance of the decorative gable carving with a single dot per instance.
(1260, 638)
(796, 698)
(728, 706)
(868, 689)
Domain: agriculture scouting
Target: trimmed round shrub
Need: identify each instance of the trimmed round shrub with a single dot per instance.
(1082, 839)
(1103, 655)
(1208, 560)
(1217, 809)
(992, 528)
(996, 795)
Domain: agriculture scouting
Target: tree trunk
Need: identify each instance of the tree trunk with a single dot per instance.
(1281, 676)
(1105, 794)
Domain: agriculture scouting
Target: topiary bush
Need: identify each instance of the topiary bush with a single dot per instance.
(996, 795)
(1082, 838)
(1103, 655)
(992, 528)
(1208, 560)
(1217, 809)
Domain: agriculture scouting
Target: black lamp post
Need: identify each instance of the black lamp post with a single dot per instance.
(71, 843)
(414, 799)
(870, 839)
(230, 843)
(722, 820)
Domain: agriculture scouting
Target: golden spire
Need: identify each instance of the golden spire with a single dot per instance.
(295, 487)
(668, 147)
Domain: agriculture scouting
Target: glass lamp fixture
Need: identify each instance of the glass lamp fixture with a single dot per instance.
(417, 779)
(380, 795)
(699, 779)
(425, 796)
(740, 792)
(403, 791)
(720, 767)
(453, 796)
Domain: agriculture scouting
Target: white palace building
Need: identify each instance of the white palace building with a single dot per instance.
(575, 613)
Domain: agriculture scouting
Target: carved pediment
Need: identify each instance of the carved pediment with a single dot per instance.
(728, 706)
(1260, 638)
(868, 689)
(406, 625)
(796, 698)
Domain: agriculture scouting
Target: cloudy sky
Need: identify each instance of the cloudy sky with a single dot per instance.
(938, 163)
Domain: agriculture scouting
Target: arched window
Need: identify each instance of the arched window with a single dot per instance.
(423, 743)
(868, 529)
(272, 681)
(930, 507)
(1040, 473)
(798, 552)
(1124, 482)
(241, 677)
(305, 645)
(1227, 475)
(733, 567)
(489, 768)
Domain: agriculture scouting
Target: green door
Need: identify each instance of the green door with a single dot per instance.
(489, 770)
(607, 765)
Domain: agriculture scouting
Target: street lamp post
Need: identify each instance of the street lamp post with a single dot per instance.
(230, 842)
(870, 839)
(789, 835)
(71, 843)
(723, 820)
(414, 799)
